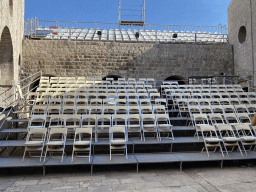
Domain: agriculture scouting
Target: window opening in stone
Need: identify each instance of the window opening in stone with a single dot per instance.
(242, 34)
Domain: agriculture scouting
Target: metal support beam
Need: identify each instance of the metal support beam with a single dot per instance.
(43, 171)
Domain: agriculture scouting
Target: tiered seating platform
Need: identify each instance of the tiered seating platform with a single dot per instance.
(180, 146)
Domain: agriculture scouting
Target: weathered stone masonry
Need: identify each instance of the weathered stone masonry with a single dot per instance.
(100, 59)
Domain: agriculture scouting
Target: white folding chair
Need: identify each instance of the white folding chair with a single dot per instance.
(118, 139)
(82, 142)
(56, 141)
(35, 142)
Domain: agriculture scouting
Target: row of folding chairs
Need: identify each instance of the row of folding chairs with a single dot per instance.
(168, 85)
(100, 109)
(228, 137)
(216, 101)
(217, 118)
(32, 96)
(96, 86)
(100, 92)
(86, 101)
(222, 109)
(96, 91)
(90, 83)
(55, 141)
(96, 79)
(208, 92)
(204, 94)
(141, 124)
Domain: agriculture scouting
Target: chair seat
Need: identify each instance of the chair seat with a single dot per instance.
(149, 126)
(164, 125)
(82, 143)
(213, 139)
(57, 126)
(118, 141)
(55, 143)
(132, 126)
(34, 143)
(88, 126)
(231, 139)
(248, 138)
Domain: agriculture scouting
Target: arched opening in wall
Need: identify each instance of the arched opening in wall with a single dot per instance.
(11, 6)
(115, 77)
(180, 80)
(242, 34)
(245, 89)
(6, 57)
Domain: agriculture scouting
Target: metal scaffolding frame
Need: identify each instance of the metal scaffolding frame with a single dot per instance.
(133, 11)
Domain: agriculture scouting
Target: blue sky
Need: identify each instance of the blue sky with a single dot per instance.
(177, 12)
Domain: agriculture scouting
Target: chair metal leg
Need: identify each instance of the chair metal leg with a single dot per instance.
(72, 156)
(45, 153)
(24, 155)
(110, 152)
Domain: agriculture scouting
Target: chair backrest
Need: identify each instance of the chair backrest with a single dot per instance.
(117, 129)
(118, 118)
(83, 130)
(58, 131)
(38, 109)
(226, 128)
(159, 109)
(121, 109)
(68, 109)
(37, 131)
(54, 109)
(207, 128)
(41, 118)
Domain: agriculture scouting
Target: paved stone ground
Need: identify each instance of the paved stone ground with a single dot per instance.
(161, 178)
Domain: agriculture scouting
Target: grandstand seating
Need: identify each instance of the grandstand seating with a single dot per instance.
(115, 113)
(129, 35)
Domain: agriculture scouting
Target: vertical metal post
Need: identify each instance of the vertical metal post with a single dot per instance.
(43, 171)
(30, 28)
(144, 11)
(156, 36)
(119, 12)
(195, 38)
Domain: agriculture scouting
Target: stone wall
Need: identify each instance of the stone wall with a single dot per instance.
(242, 13)
(11, 35)
(100, 59)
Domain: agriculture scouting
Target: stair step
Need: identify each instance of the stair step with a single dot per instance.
(21, 112)
(14, 131)
(17, 120)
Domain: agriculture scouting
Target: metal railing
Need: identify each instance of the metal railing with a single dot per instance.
(128, 36)
(15, 95)
(32, 25)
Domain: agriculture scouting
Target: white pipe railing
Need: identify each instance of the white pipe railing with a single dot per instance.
(13, 96)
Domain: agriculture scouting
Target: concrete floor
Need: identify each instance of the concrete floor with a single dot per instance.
(206, 176)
